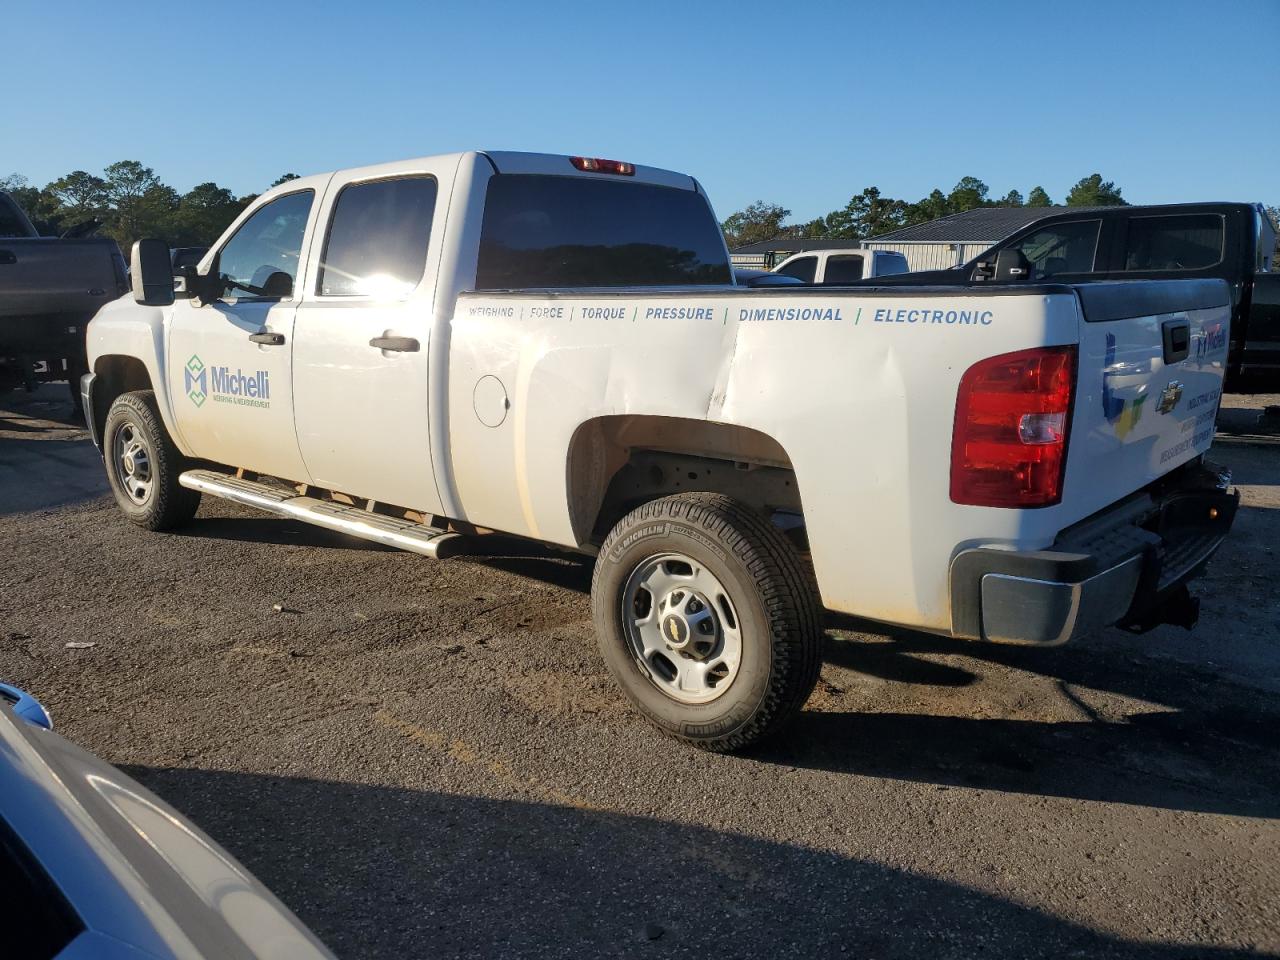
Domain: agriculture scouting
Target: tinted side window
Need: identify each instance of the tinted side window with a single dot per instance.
(1061, 248)
(803, 268)
(843, 269)
(545, 231)
(377, 242)
(891, 263)
(38, 921)
(1187, 242)
(261, 259)
(11, 222)
(188, 257)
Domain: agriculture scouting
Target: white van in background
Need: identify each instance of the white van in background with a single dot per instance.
(841, 266)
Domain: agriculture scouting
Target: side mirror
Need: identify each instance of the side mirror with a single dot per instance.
(151, 273)
(1012, 266)
(26, 706)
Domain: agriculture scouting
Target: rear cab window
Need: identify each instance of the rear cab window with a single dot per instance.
(541, 231)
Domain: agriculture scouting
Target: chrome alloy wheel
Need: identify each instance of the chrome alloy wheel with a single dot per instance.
(132, 463)
(682, 627)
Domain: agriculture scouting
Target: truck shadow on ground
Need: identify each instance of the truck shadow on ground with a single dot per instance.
(379, 871)
(1194, 743)
(260, 528)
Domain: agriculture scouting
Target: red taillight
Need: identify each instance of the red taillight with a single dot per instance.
(1009, 446)
(596, 165)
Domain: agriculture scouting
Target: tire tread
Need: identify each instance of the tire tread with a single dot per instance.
(786, 590)
(172, 504)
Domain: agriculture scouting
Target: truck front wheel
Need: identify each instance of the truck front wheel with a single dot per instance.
(143, 464)
(707, 618)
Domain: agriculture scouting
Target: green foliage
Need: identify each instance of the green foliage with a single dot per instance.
(870, 213)
(40, 206)
(81, 196)
(283, 178)
(930, 208)
(760, 221)
(131, 202)
(867, 214)
(202, 214)
(1093, 191)
(968, 194)
(1038, 198)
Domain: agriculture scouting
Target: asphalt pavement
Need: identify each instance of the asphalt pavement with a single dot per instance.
(426, 758)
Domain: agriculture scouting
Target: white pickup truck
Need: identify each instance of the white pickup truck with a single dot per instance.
(836, 267)
(552, 347)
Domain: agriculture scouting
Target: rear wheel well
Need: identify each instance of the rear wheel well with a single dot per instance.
(116, 375)
(618, 463)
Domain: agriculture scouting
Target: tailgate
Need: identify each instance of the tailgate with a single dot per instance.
(1153, 355)
(46, 275)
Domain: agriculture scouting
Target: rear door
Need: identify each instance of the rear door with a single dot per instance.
(360, 371)
(1151, 365)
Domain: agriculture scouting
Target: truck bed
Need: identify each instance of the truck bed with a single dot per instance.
(41, 276)
(858, 386)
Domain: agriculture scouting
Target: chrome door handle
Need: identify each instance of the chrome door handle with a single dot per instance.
(399, 344)
(267, 337)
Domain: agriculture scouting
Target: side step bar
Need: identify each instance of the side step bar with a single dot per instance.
(353, 521)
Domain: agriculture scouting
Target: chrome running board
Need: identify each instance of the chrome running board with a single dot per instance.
(338, 517)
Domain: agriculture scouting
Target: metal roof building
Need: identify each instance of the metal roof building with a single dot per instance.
(949, 241)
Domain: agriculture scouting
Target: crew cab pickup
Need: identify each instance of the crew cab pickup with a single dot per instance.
(49, 289)
(835, 267)
(1228, 241)
(552, 347)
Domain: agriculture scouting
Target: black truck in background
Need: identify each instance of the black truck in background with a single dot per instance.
(50, 288)
(1231, 241)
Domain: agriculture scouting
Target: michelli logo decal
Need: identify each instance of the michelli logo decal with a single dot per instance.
(196, 380)
(224, 385)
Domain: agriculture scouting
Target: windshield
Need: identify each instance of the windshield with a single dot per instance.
(545, 231)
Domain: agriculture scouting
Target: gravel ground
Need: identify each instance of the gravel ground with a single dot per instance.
(427, 759)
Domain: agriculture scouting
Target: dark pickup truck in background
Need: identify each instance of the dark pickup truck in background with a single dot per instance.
(50, 288)
(1231, 241)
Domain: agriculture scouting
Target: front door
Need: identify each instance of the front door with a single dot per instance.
(361, 338)
(230, 360)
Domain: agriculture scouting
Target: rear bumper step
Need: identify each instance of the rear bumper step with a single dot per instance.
(1129, 568)
(339, 517)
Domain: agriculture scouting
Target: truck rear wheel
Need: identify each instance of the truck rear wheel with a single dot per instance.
(143, 465)
(708, 619)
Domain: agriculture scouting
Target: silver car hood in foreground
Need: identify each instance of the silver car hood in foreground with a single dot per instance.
(144, 881)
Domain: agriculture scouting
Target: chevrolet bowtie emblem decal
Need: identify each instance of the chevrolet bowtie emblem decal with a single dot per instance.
(1170, 397)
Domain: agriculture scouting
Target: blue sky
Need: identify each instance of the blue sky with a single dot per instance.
(801, 104)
